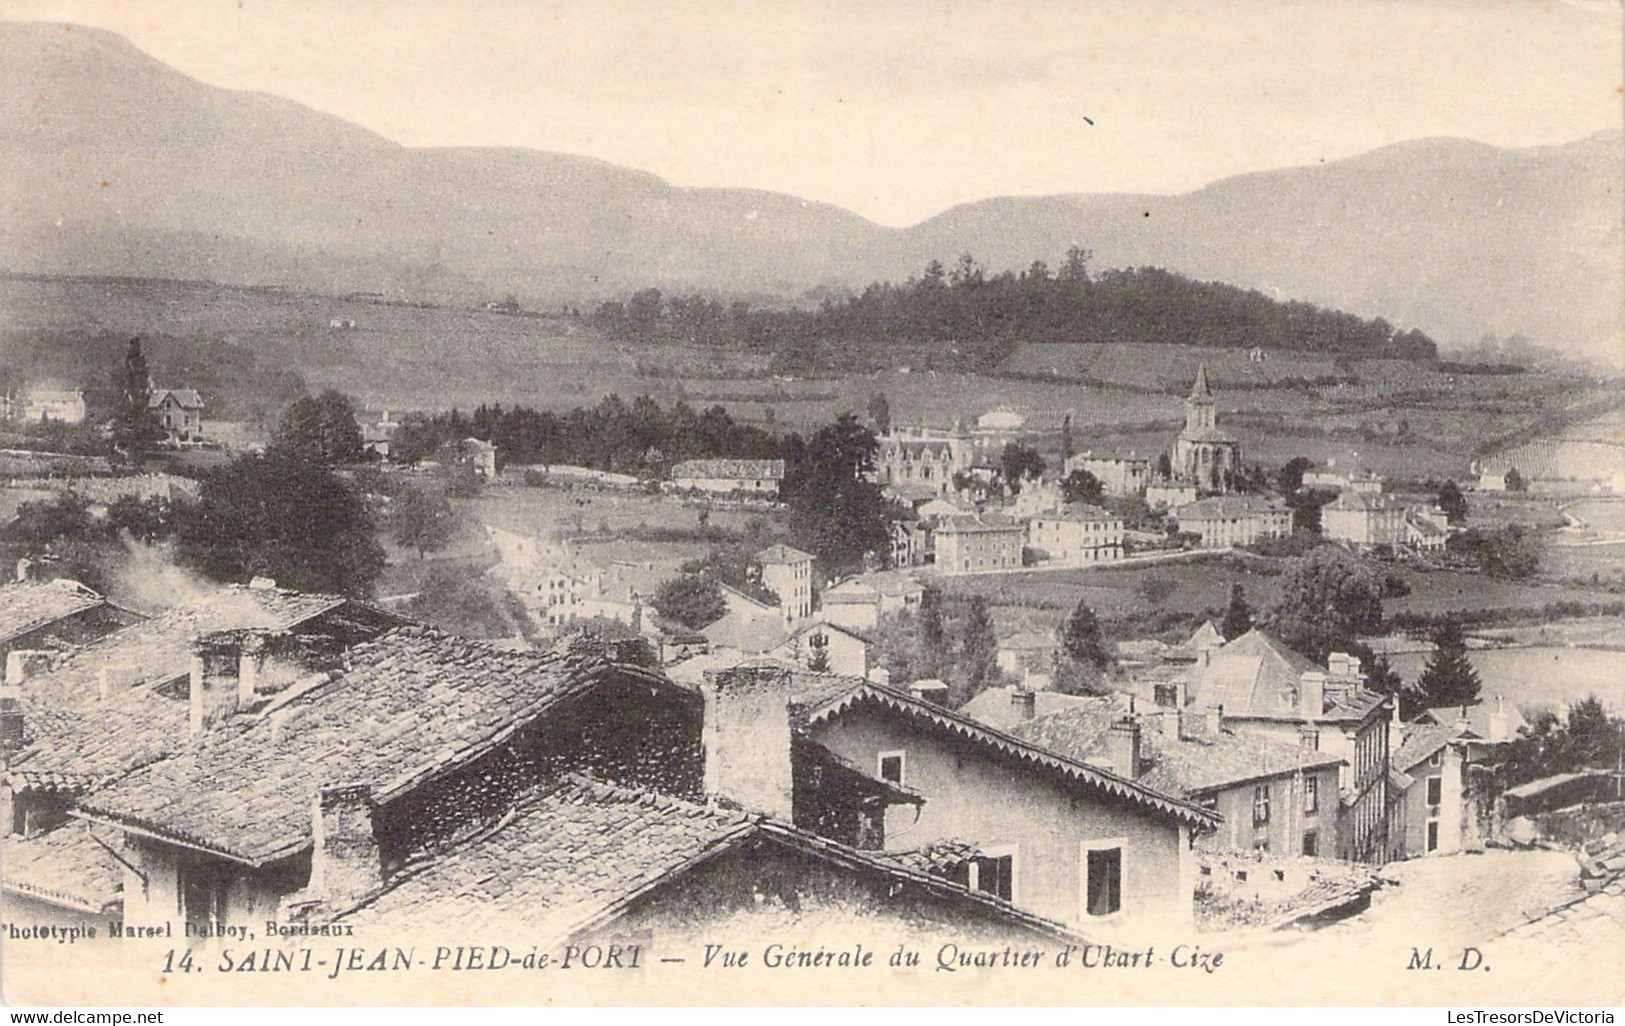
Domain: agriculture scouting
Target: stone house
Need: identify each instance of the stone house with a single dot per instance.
(41, 620)
(860, 602)
(729, 476)
(1118, 475)
(979, 543)
(1274, 798)
(1264, 689)
(1076, 535)
(179, 412)
(788, 572)
(1059, 838)
(1226, 520)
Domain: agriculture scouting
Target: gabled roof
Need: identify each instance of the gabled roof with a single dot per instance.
(871, 586)
(839, 696)
(415, 704)
(578, 854)
(1078, 512)
(980, 522)
(782, 554)
(996, 706)
(1365, 502)
(1257, 676)
(1226, 506)
(1191, 765)
(1418, 741)
(186, 398)
(1480, 717)
(26, 606)
(160, 649)
(1206, 636)
(63, 867)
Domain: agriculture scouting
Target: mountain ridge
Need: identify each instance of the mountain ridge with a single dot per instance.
(132, 167)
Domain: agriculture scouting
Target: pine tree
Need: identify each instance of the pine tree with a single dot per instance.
(1449, 678)
(1238, 616)
(1082, 638)
(1453, 503)
(978, 654)
(933, 634)
(136, 430)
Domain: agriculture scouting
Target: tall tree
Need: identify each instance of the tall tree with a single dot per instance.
(1515, 481)
(1453, 502)
(1449, 678)
(320, 429)
(1066, 438)
(1082, 639)
(1328, 600)
(1290, 477)
(933, 633)
(1019, 462)
(693, 600)
(422, 519)
(1082, 486)
(835, 511)
(880, 413)
(1238, 615)
(275, 516)
(136, 431)
(978, 653)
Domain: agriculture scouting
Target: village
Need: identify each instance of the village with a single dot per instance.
(711, 734)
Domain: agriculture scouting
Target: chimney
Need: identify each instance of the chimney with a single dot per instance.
(24, 664)
(1214, 715)
(1312, 693)
(250, 660)
(929, 690)
(1309, 737)
(345, 866)
(880, 675)
(1464, 722)
(1123, 747)
(23, 567)
(1169, 720)
(213, 682)
(1500, 723)
(746, 738)
(1024, 702)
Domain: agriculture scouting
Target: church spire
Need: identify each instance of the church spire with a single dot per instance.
(1200, 389)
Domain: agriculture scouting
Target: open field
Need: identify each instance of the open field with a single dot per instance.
(1044, 598)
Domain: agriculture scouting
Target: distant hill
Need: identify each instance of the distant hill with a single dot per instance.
(118, 164)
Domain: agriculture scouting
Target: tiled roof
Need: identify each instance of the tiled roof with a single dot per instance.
(1078, 512)
(187, 397)
(78, 739)
(1256, 676)
(160, 649)
(1188, 766)
(836, 700)
(996, 706)
(1479, 717)
(1365, 502)
(64, 867)
(574, 856)
(868, 587)
(973, 523)
(29, 605)
(415, 703)
(1225, 506)
(1418, 741)
(568, 855)
(734, 469)
(938, 857)
(782, 554)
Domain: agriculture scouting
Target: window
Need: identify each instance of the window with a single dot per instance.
(1311, 842)
(1311, 794)
(891, 766)
(1433, 835)
(1166, 694)
(1435, 790)
(1261, 805)
(1103, 877)
(994, 872)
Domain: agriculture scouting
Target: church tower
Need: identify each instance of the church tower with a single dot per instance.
(1203, 455)
(1199, 407)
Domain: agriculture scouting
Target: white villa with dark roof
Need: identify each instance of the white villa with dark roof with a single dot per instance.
(179, 412)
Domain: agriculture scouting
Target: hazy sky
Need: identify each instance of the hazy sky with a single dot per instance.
(899, 109)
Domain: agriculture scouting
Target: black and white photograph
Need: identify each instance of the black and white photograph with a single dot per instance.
(552, 502)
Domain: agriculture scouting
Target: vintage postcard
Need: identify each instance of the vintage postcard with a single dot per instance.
(1014, 502)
